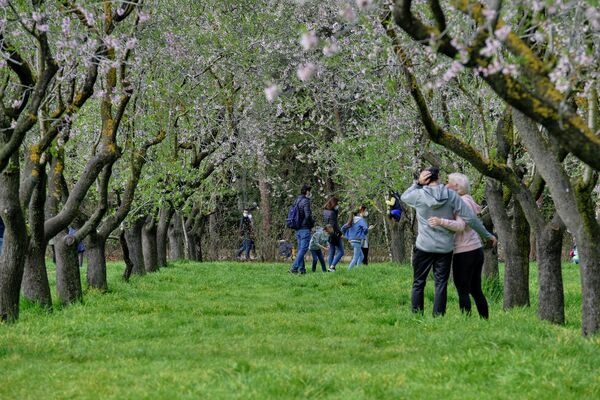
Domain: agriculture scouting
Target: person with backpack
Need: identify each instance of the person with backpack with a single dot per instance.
(300, 219)
(245, 235)
(394, 210)
(434, 246)
(336, 247)
(356, 230)
(318, 242)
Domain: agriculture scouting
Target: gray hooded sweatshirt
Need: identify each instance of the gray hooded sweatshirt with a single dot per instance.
(439, 201)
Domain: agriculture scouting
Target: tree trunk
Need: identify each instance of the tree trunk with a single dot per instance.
(490, 270)
(149, 248)
(213, 237)
(267, 244)
(515, 238)
(126, 258)
(398, 240)
(164, 219)
(36, 287)
(516, 273)
(15, 242)
(133, 235)
(68, 280)
(589, 256)
(95, 249)
(551, 294)
(176, 241)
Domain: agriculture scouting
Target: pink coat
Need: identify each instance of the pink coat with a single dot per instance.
(466, 239)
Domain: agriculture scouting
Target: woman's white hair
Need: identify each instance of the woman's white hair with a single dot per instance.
(461, 181)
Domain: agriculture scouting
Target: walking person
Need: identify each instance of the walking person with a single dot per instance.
(355, 230)
(365, 243)
(336, 246)
(305, 224)
(467, 261)
(245, 235)
(319, 242)
(434, 246)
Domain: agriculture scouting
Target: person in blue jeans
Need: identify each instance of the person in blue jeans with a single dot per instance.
(356, 230)
(336, 247)
(303, 232)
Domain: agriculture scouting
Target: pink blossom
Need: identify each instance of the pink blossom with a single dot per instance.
(348, 13)
(37, 17)
(306, 71)
(120, 11)
(364, 3)
(272, 93)
(309, 40)
(43, 28)
(331, 49)
(143, 16)
(491, 47)
(502, 33)
(489, 14)
(66, 26)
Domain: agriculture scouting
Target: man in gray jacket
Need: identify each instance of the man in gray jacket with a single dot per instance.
(434, 243)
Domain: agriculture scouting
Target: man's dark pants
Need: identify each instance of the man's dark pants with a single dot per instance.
(423, 262)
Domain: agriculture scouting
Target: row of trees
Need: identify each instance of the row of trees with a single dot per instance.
(155, 123)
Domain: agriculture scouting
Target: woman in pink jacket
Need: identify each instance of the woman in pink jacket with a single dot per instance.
(467, 261)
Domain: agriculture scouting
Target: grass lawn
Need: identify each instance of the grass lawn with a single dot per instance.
(229, 330)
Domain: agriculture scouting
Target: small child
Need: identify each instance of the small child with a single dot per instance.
(319, 241)
(285, 249)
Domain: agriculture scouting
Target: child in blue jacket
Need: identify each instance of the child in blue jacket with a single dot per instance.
(355, 230)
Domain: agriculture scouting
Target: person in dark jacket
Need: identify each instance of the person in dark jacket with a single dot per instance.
(336, 247)
(303, 232)
(245, 235)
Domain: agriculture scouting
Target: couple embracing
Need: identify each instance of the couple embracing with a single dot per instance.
(449, 235)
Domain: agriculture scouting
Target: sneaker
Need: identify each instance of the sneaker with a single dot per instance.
(291, 271)
(302, 272)
(331, 269)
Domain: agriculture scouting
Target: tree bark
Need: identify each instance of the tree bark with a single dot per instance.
(176, 241)
(164, 219)
(515, 237)
(36, 287)
(95, 249)
(15, 242)
(551, 295)
(490, 261)
(149, 248)
(398, 238)
(267, 244)
(133, 235)
(126, 258)
(68, 280)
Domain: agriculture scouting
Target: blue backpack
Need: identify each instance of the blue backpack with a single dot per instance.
(293, 220)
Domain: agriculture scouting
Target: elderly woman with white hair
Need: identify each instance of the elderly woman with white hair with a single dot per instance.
(467, 261)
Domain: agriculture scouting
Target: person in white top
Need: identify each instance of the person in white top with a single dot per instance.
(467, 261)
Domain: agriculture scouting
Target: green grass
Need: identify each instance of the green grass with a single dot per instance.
(231, 330)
